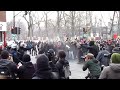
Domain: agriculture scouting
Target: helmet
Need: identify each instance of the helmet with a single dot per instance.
(22, 45)
(13, 46)
(50, 53)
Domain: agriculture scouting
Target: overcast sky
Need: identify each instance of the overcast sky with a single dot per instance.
(106, 16)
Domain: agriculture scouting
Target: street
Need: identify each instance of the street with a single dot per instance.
(76, 69)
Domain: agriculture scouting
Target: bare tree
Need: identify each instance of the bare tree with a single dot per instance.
(66, 22)
(79, 22)
(46, 22)
(112, 23)
(59, 14)
(29, 23)
(38, 20)
(72, 22)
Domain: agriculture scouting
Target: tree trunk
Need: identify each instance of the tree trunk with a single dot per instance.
(112, 24)
(72, 23)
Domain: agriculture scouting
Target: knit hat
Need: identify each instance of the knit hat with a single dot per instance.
(115, 58)
(26, 58)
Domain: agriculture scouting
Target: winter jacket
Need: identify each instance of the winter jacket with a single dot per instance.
(94, 50)
(104, 60)
(11, 65)
(111, 72)
(53, 67)
(26, 71)
(21, 52)
(93, 66)
(45, 75)
(43, 70)
(59, 65)
(15, 56)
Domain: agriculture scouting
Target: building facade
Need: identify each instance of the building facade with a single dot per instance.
(3, 28)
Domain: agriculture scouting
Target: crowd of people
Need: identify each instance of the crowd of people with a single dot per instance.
(15, 62)
(100, 57)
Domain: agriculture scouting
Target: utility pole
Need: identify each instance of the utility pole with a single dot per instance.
(13, 19)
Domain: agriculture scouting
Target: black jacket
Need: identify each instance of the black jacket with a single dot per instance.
(26, 71)
(43, 70)
(21, 53)
(11, 65)
(94, 50)
(52, 66)
(59, 65)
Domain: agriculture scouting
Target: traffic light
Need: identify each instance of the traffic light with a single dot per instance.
(15, 30)
(84, 30)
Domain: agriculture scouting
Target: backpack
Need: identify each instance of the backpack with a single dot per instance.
(66, 70)
(5, 72)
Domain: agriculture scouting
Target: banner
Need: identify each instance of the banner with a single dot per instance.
(115, 36)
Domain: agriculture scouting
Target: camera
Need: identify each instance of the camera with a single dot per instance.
(83, 57)
(107, 55)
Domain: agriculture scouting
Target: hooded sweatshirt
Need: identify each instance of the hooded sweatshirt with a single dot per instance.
(43, 70)
(111, 72)
(26, 71)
